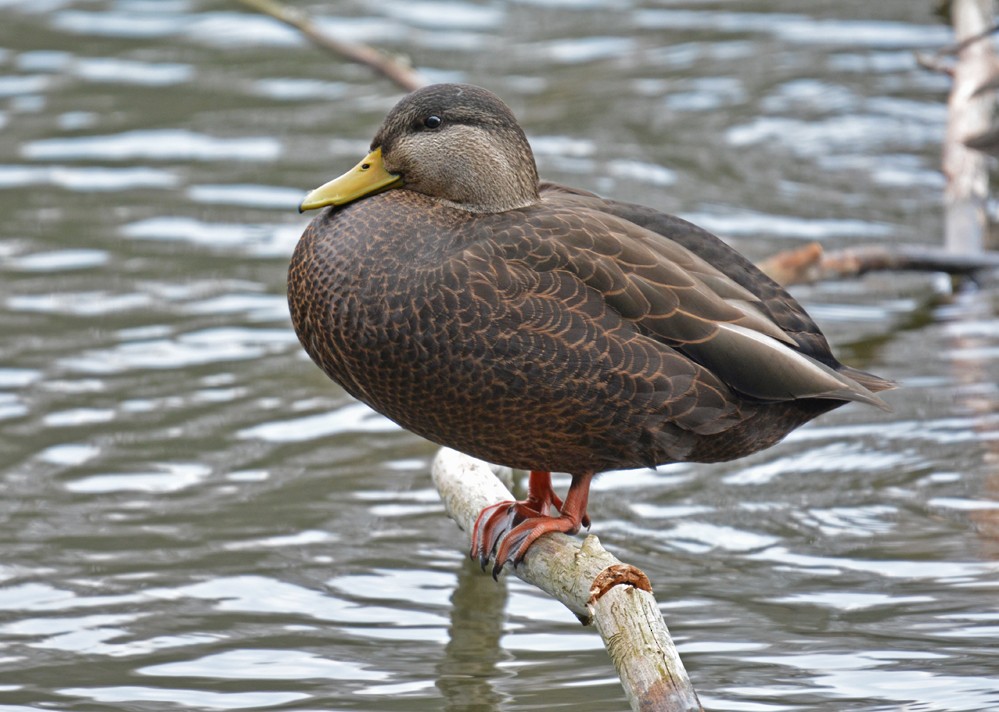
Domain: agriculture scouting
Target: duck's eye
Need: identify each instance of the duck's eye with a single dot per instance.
(433, 121)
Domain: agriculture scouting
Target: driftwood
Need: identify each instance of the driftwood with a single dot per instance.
(390, 67)
(809, 264)
(614, 597)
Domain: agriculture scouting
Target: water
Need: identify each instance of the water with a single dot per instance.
(194, 518)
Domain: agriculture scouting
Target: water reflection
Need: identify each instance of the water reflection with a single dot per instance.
(193, 517)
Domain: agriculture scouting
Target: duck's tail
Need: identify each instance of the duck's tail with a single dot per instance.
(875, 384)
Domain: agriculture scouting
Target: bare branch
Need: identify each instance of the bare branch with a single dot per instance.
(615, 597)
(808, 264)
(399, 72)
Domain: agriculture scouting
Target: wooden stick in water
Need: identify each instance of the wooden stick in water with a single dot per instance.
(616, 598)
(810, 263)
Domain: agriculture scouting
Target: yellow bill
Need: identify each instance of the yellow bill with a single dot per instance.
(367, 177)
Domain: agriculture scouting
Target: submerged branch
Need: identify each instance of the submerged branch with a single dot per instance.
(808, 264)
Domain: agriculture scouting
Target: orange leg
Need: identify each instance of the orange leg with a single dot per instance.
(519, 524)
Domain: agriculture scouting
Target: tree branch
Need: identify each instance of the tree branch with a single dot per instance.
(399, 72)
(808, 264)
(615, 597)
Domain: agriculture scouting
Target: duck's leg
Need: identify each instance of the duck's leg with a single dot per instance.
(519, 524)
(557, 503)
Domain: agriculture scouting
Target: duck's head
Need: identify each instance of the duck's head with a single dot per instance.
(457, 143)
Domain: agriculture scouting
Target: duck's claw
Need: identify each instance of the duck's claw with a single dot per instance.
(490, 526)
(515, 544)
(494, 523)
(514, 526)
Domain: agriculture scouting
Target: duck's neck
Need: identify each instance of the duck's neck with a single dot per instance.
(503, 177)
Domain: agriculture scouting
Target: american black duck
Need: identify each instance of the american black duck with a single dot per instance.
(542, 327)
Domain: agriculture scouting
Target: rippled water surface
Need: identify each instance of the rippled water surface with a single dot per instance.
(194, 518)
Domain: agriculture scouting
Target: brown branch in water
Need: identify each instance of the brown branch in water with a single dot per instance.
(797, 266)
(935, 63)
(390, 67)
(808, 264)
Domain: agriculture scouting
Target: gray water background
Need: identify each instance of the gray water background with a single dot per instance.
(192, 517)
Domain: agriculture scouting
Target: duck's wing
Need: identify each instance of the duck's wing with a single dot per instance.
(680, 300)
(778, 305)
(766, 296)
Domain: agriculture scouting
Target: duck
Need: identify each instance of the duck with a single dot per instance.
(544, 327)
